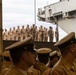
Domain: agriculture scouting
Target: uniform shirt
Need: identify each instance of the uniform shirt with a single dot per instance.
(6, 65)
(15, 71)
(63, 68)
(47, 72)
(41, 67)
(33, 71)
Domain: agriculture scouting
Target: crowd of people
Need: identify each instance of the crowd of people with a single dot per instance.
(21, 58)
(39, 34)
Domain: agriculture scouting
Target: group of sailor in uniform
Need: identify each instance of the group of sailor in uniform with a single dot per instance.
(21, 58)
(39, 34)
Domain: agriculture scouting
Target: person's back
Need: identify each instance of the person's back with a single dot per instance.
(43, 57)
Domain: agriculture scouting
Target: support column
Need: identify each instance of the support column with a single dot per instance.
(1, 40)
(35, 12)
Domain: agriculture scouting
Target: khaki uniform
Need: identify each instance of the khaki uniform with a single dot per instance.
(45, 35)
(47, 72)
(18, 32)
(42, 61)
(23, 59)
(36, 35)
(63, 68)
(57, 35)
(15, 71)
(28, 33)
(10, 35)
(23, 33)
(41, 67)
(51, 35)
(3, 72)
(33, 32)
(32, 71)
(13, 34)
(5, 35)
(6, 65)
(41, 34)
(66, 65)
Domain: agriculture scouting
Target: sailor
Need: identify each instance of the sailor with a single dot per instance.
(53, 58)
(28, 31)
(7, 59)
(43, 57)
(14, 33)
(22, 54)
(41, 30)
(57, 35)
(23, 33)
(10, 34)
(18, 32)
(33, 31)
(51, 34)
(5, 34)
(36, 33)
(6, 63)
(66, 65)
(45, 35)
